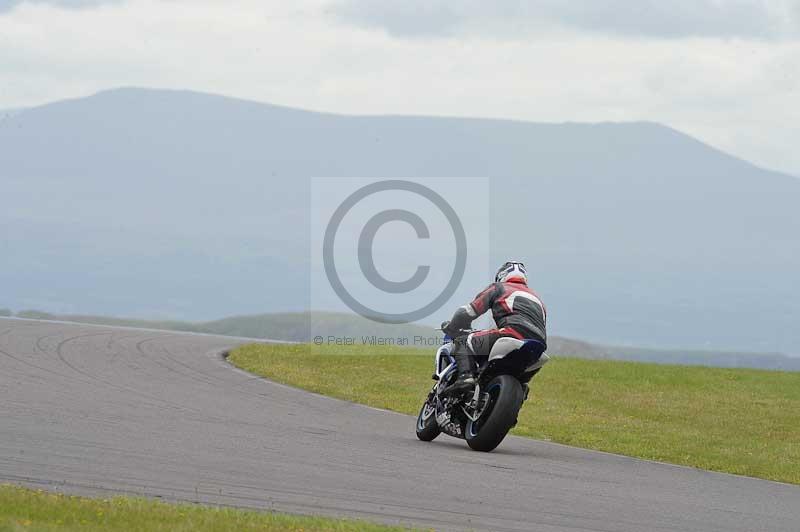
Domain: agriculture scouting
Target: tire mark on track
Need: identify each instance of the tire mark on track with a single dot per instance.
(228, 386)
(40, 368)
(215, 385)
(176, 406)
(21, 361)
(128, 389)
(215, 380)
(26, 362)
(166, 354)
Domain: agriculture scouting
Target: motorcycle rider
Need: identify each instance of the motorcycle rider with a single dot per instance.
(517, 311)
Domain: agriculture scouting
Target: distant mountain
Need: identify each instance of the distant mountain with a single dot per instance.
(186, 205)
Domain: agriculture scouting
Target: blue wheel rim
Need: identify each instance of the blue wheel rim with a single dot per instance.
(473, 427)
(420, 419)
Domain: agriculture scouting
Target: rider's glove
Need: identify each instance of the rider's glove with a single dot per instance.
(452, 333)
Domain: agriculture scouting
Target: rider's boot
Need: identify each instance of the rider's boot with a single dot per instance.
(466, 372)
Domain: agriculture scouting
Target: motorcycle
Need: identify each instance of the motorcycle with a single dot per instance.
(482, 416)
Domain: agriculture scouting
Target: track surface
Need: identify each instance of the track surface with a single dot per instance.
(91, 410)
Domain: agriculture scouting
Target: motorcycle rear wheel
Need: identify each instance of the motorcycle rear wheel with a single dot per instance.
(499, 415)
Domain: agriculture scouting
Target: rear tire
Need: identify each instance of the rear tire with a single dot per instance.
(500, 416)
(427, 427)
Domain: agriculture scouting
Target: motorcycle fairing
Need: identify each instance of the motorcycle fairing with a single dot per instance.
(445, 363)
(506, 345)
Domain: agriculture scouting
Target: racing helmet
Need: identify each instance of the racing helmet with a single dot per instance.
(511, 270)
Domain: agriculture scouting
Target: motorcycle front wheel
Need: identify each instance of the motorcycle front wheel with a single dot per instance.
(427, 426)
(498, 416)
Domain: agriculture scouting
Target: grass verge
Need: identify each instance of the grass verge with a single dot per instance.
(22, 509)
(738, 421)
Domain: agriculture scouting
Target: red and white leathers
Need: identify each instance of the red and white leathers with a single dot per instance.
(517, 310)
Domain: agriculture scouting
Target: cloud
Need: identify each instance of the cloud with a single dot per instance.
(682, 18)
(761, 19)
(8, 5)
(405, 19)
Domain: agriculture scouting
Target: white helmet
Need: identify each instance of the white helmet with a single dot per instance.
(511, 270)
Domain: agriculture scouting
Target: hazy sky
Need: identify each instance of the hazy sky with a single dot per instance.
(725, 71)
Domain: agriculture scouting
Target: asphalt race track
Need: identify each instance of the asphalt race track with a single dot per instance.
(98, 410)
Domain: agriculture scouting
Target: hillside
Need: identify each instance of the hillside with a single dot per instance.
(304, 326)
(293, 327)
(185, 205)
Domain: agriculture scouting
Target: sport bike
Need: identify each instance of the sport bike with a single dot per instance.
(482, 416)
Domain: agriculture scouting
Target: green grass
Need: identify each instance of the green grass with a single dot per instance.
(738, 421)
(28, 510)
